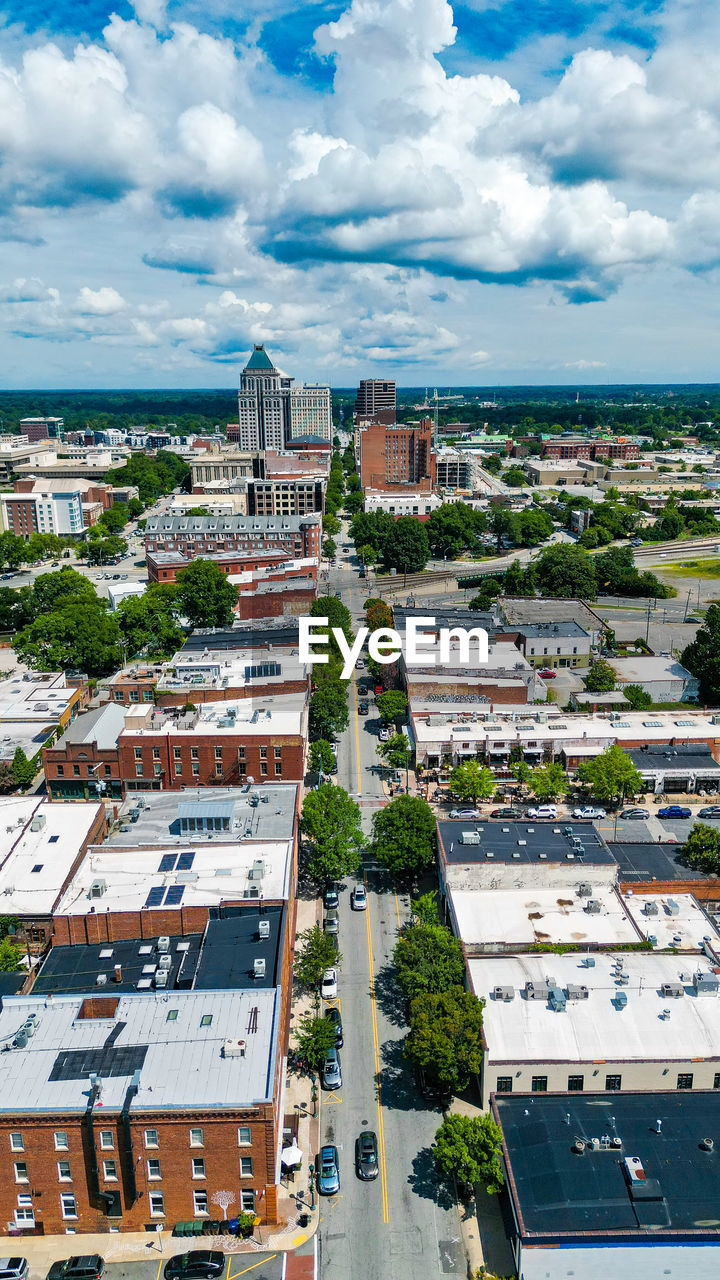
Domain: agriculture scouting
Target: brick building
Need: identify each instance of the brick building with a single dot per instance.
(84, 763)
(402, 454)
(281, 537)
(571, 447)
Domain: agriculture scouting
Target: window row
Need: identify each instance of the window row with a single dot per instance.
(576, 1084)
(151, 1137)
(24, 1215)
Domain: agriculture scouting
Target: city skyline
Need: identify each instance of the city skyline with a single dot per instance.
(471, 194)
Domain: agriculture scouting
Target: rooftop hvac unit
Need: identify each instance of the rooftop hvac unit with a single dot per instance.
(161, 978)
(593, 907)
(259, 967)
(97, 889)
(573, 991)
(504, 993)
(584, 890)
(163, 944)
(469, 837)
(257, 871)
(652, 909)
(234, 1049)
(674, 989)
(101, 980)
(589, 962)
(620, 999)
(264, 929)
(673, 908)
(21, 1039)
(38, 822)
(165, 962)
(705, 984)
(557, 999)
(31, 1023)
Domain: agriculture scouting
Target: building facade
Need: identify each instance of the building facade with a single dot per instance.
(398, 456)
(292, 537)
(273, 413)
(45, 511)
(375, 395)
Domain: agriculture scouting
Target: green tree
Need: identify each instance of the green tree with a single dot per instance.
(639, 698)
(702, 849)
(24, 770)
(521, 772)
(391, 705)
(50, 588)
(445, 1038)
(367, 554)
(328, 711)
(16, 608)
(396, 752)
(567, 572)
(611, 775)
(205, 596)
(600, 678)
(329, 547)
(702, 658)
(78, 635)
(315, 952)
(548, 781)
(10, 956)
(322, 756)
(333, 835)
(377, 614)
(472, 781)
(331, 525)
(425, 909)
(427, 957)
(404, 837)
(149, 622)
(469, 1148)
(407, 550)
(337, 614)
(136, 508)
(314, 1037)
(115, 518)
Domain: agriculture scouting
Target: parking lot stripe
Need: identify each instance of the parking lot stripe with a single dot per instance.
(252, 1266)
(376, 1052)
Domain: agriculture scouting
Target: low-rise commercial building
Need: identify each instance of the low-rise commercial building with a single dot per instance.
(580, 914)
(679, 768)
(540, 471)
(475, 855)
(554, 644)
(665, 679)
(420, 505)
(233, 537)
(84, 762)
(33, 705)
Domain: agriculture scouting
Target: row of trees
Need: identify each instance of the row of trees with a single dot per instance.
(611, 776)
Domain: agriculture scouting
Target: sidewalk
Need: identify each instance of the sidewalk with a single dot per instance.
(483, 1231)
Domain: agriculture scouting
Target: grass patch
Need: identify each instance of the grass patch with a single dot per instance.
(708, 568)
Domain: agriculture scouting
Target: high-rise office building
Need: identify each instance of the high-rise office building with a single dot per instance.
(272, 413)
(375, 396)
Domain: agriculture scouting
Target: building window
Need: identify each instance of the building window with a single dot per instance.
(157, 769)
(156, 753)
(195, 770)
(247, 1201)
(194, 753)
(685, 1080)
(198, 1167)
(539, 1084)
(218, 753)
(244, 1136)
(61, 771)
(157, 1204)
(76, 771)
(613, 1083)
(576, 1084)
(138, 771)
(219, 770)
(63, 1169)
(61, 1140)
(504, 1084)
(151, 1138)
(716, 1080)
(176, 752)
(263, 753)
(138, 753)
(106, 1140)
(118, 695)
(206, 1020)
(263, 769)
(278, 768)
(110, 1170)
(196, 1138)
(200, 1202)
(24, 1214)
(21, 1173)
(153, 1170)
(16, 1142)
(178, 769)
(246, 1167)
(68, 1205)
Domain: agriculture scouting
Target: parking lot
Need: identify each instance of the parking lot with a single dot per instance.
(259, 1266)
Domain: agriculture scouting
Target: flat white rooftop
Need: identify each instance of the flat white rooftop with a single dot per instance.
(235, 668)
(35, 865)
(596, 1029)
(34, 697)
(499, 917)
(679, 922)
(180, 1060)
(207, 875)
(279, 714)
(499, 730)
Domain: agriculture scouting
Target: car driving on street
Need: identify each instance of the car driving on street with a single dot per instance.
(366, 1156)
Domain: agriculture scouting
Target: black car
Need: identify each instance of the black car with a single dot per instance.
(86, 1266)
(333, 1015)
(366, 1156)
(333, 769)
(363, 708)
(362, 690)
(509, 811)
(710, 811)
(332, 901)
(199, 1264)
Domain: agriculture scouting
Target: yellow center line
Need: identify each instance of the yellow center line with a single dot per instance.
(378, 1086)
(397, 912)
(252, 1267)
(357, 735)
(158, 1270)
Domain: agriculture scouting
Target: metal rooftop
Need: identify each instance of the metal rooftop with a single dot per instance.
(256, 813)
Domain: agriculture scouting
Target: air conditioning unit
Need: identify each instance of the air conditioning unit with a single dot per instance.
(264, 929)
(163, 944)
(234, 1049)
(257, 871)
(161, 978)
(38, 822)
(101, 980)
(259, 967)
(97, 889)
(165, 962)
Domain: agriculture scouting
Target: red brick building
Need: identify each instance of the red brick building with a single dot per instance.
(571, 447)
(250, 540)
(398, 455)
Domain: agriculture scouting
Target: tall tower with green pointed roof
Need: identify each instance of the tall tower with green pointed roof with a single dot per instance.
(272, 413)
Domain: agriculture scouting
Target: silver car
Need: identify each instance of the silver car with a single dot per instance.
(331, 1070)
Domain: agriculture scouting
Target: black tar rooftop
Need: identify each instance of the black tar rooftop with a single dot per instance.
(541, 842)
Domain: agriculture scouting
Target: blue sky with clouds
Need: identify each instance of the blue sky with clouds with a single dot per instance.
(482, 192)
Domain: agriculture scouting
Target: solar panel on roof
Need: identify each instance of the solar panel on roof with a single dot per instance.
(155, 896)
(167, 862)
(174, 895)
(185, 861)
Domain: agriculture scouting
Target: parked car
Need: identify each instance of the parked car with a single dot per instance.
(13, 1268)
(330, 896)
(334, 748)
(547, 673)
(331, 1072)
(384, 734)
(328, 1171)
(543, 811)
(509, 811)
(635, 813)
(333, 1016)
(198, 1264)
(362, 690)
(473, 814)
(589, 811)
(710, 811)
(363, 708)
(359, 898)
(333, 769)
(332, 921)
(85, 1266)
(366, 1156)
(674, 811)
(637, 542)
(328, 986)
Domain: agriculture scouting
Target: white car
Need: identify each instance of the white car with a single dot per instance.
(543, 811)
(384, 734)
(328, 986)
(589, 811)
(334, 748)
(359, 898)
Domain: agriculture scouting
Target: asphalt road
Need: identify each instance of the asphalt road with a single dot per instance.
(402, 1225)
(257, 1266)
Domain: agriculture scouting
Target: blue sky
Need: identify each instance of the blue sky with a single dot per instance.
(483, 192)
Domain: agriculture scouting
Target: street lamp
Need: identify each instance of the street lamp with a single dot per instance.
(311, 1171)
